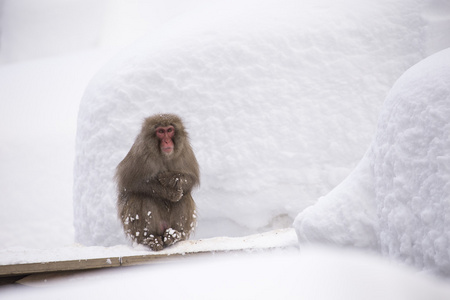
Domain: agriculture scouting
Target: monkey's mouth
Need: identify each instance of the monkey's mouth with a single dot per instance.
(167, 149)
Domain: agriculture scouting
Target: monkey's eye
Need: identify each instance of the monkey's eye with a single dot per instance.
(161, 131)
(170, 130)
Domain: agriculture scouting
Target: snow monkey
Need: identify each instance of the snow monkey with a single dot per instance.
(154, 183)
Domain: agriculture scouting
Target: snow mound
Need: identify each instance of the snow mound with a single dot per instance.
(398, 198)
(280, 105)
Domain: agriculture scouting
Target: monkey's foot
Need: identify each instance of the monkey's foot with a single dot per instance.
(154, 243)
(171, 236)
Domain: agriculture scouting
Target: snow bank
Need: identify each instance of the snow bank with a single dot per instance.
(281, 103)
(398, 199)
(345, 216)
(316, 273)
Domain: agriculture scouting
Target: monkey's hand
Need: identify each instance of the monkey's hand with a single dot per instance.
(174, 195)
(177, 180)
(170, 179)
(167, 179)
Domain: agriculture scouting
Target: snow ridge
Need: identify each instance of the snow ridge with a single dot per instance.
(399, 196)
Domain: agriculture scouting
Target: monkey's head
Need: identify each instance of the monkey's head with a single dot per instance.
(165, 134)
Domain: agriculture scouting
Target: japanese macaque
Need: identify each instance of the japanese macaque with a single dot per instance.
(154, 184)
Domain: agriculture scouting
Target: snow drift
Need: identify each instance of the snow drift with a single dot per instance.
(398, 198)
(280, 99)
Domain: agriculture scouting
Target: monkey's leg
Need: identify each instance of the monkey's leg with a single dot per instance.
(145, 220)
(171, 236)
(131, 216)
(183, 218)
(155, 222)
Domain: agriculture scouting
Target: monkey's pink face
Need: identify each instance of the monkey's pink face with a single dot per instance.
(165, 136)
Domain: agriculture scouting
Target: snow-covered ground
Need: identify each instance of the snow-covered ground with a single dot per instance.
(281, 99)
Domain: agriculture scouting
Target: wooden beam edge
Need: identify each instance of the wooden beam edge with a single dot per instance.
(95, 263)
(153, 257)
(54, 266)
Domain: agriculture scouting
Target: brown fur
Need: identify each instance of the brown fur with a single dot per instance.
(154, 189)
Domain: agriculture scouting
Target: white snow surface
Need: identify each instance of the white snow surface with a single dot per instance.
(280, 99)
(397, 200)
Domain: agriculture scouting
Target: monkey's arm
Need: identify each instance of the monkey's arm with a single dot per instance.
(153, 187)
(180, 181)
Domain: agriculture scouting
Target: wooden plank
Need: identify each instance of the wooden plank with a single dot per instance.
(133, 260)
(53, 266)
(145, 259)
(278, 239)
(96, 263)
